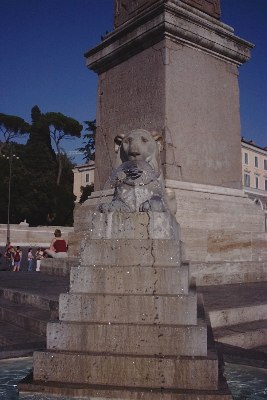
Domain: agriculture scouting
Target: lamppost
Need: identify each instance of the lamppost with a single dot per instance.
(10, 159)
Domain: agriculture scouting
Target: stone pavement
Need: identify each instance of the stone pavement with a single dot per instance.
(28, 300)
(45, 286)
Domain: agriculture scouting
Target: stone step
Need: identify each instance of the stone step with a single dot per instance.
(235, 304)
(27, 302)
(58, 266)
(15, 341)
(247, 335)
(27, 389)
(130, 280)
(21, 297)
(128, 339)
(140, 309)
(30, 318)
(262, 349)
(240, 315)
(228, 272)
(130, 371)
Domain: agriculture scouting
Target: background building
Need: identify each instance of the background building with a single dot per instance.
(254, 171)
(83, 176)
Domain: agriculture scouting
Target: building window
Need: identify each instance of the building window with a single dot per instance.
(87, 176)
(256, 182)
(266, 184)
(246, 158)
(246, 180)
(265, 165)
(256, 162)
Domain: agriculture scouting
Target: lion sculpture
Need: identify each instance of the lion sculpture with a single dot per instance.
(138, 181)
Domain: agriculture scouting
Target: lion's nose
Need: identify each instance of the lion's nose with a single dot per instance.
(134, 153)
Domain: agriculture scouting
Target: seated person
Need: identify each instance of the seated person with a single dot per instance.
(58, 247)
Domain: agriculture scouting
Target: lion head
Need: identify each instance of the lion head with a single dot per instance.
(140, 145)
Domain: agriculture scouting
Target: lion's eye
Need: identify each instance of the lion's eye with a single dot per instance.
(144, 139)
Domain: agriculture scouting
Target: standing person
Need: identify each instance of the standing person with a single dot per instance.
(9, 255)
(30, 259)
(58, 247)
(17, 259)
(39, 255)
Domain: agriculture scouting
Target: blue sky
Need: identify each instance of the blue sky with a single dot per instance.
(42, 45)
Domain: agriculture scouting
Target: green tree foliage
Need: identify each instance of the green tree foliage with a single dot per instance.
(40, 172)
(64, 194)
(39, 128)
(10, 128)
(61, 127)
(36, 193)
(16, 185)
(88, 148)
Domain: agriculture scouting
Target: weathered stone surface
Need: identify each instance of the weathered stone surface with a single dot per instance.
(130, 280)
(211, 7)
(127, 9)
(224, 245)
(215, 221)
(167, 372)
(117, 225)
(58, 266)
(233, 316)
(247, 335)
(259, 246)
(140, 309)
(131, 252)
(239, 246)
(207, 212)
(214, 208)
(228, 272)
(128, 339)
(103, 393)
(74, 242)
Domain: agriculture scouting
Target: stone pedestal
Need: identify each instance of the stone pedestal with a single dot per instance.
(222, 229)
(172, 66)
(131, 324)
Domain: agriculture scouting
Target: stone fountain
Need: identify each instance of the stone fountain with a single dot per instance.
(132, 325)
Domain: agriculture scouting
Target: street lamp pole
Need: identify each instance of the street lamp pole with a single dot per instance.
(9, 198)
(10, 159)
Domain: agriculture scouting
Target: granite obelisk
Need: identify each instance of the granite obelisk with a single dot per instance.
(172, 66)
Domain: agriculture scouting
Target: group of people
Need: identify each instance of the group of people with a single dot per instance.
(14, 257)
(58, 249)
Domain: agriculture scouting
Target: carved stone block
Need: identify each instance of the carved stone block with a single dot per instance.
(211, 7)
(126, 9)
